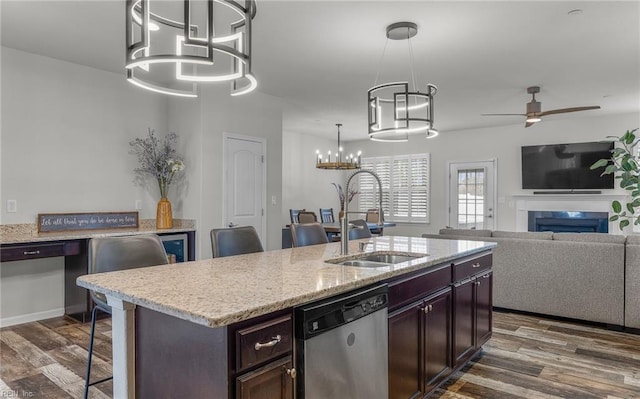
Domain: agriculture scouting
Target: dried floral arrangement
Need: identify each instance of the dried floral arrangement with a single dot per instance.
(158, 158)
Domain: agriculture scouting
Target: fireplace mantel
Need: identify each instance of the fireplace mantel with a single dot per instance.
(564, 202)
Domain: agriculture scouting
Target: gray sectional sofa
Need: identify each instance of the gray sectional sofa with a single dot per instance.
(586, 276)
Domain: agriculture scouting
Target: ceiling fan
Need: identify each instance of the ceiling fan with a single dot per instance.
(534, 109)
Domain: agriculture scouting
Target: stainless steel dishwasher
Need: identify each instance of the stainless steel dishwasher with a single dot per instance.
(341, 346)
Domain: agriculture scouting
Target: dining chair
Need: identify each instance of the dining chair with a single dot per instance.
(303, 234)
(235, 241)
(326, 215)
(373, 216)
(360, 230)
(307, 217)
(293, 214)
(107, 254)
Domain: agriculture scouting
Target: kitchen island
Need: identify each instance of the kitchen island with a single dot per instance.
(171, 321)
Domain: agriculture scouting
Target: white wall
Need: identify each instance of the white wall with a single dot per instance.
(503, 143)
(303, 185)
(203, 125)
(65, 133)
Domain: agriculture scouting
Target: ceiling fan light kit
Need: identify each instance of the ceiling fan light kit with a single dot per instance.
(394, 109)
(173, 46)
(350, 161)
(534, 109)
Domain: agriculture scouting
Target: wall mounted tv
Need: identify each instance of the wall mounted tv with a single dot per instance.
(565, 166)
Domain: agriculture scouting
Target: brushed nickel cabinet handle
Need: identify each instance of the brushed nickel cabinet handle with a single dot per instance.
(31, 252)
(292, 373)
(274, 341)
(476, 265)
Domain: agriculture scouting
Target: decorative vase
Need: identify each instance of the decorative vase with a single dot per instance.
(164, 216)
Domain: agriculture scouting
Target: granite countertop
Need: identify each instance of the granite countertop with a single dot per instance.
(221, 291)
(24, 233)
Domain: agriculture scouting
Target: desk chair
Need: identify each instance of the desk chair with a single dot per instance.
(361, 230)
(108, 254)
(293, 214)
(308, 234)
(373, 216)
(307, 217)
(235, 241)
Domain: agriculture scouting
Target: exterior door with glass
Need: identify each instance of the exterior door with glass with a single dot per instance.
(472, 195)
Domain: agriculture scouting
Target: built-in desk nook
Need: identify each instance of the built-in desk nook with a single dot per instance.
(226, 327)
(23, 242)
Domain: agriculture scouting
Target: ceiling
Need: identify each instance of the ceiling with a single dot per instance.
(321, 57)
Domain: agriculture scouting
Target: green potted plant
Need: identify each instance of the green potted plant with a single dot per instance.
(625, 164)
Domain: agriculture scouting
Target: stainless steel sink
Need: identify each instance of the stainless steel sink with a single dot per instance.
(387, 258)
(363, 263)
(375, 260)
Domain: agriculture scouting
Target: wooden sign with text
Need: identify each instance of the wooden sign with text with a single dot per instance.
(51, 222)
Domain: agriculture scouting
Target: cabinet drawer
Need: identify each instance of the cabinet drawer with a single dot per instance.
(408, 289)
(470, 267)
(262, 342)
(35, 251)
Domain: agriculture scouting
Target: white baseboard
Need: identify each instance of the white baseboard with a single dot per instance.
(29, 317)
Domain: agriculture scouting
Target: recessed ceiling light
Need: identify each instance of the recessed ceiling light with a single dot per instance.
(575, 12)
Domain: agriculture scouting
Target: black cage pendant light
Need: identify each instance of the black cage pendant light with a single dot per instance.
(171, 46)
(396, 110)
(337, 161)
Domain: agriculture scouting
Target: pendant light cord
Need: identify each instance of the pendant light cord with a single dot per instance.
(412, 61)
(375, 83)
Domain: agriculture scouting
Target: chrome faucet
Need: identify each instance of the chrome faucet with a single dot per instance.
(344, 225)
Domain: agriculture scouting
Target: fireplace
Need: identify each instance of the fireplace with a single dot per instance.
(569, 221)
(572, 204)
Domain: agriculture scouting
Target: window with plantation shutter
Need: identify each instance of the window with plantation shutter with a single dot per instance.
(405, 187)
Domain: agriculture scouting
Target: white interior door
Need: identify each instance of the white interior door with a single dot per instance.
(244, 182)
(472, 195)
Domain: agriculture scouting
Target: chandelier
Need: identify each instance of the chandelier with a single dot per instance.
(396, 110)
(350, 161)
(171, 46)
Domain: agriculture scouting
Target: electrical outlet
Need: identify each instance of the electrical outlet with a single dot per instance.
(138, 205)
(12, 206)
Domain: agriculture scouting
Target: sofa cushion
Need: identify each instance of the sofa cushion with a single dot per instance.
(633, 239)
(466, 232)
(590, 237)
(532, 235)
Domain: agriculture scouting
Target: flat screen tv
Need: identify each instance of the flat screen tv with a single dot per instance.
(565, 166)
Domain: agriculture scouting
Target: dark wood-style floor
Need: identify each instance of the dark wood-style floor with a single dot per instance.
(528, 357)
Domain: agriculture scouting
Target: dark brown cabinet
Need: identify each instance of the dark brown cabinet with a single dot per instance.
(472, 320)
(263, 345)
(437, 339)
(272, 381)
(419, 334)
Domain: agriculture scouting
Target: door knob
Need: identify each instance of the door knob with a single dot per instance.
(231, 224)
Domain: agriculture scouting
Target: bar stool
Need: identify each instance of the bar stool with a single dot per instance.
(303, 234)
(361, 230)
(107, 254)
(235, 241)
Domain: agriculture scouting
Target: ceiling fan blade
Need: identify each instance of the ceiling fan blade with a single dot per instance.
(503, 115)
(565, 110)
